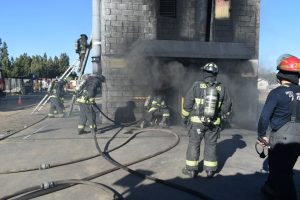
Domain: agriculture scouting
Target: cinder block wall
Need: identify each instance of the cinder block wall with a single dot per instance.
(123, 22)
(126, 21)
(189, 23)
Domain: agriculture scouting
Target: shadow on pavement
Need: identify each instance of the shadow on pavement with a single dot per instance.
(239, 186)
(226, 149)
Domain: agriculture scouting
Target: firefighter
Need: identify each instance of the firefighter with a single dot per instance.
(56, 92)
(205, 105)
(282, 112)
(81, 47)
(157, 111)
(86, 92)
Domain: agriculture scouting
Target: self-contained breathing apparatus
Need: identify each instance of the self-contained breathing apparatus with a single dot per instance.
(77, 46)
(79, 87)
(211, 97)
(87, 87)
(81, 43)
(56, 88)
(208, 112)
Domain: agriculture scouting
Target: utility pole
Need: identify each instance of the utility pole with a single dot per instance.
(96, 37)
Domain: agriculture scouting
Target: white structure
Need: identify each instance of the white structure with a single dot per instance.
(262, 84)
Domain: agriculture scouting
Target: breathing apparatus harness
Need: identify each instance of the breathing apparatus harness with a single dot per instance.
(79, 88)
(211, 98)
(56, 89)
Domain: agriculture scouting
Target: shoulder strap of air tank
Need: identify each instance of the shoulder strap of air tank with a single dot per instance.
(295, 105)
(202, 84)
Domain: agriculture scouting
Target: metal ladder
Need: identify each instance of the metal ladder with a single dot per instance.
(72, 68)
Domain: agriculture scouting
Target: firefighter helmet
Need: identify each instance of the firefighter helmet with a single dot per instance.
(287, 62)
(84, 36)
(211, 68)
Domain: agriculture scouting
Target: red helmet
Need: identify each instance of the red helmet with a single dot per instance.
(287, 62)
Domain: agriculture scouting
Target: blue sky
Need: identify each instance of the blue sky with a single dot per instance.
(279, 31)
(36, 27)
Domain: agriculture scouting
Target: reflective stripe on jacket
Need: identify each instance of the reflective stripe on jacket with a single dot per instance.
(85, 100)
(194, 99)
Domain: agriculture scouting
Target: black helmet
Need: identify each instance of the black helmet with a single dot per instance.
(99, 76)
(84, 35)
(211, 68)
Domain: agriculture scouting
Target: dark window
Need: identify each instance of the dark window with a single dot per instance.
(167, 8)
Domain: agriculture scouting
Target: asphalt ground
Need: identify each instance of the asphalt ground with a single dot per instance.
(55, 141)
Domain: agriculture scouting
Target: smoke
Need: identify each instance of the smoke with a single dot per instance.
(152, 73)
(240, 80)
(239, 77)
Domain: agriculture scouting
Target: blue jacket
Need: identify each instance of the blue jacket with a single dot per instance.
(278, 108)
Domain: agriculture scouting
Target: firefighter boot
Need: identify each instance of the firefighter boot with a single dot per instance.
(80, 131)
(50, 115)
(163, 123)
(143, 124)
(210, 174)
(190, 173)
(61, 115)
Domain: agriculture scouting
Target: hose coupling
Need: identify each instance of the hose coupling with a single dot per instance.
(47, 185)
(44, 166)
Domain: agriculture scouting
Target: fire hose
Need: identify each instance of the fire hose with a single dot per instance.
(66, 184)
(45, 166)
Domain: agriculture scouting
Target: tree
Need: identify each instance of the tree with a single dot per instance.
(38, 66)
(63, 63)
(52, 66)
(35, 66)
(5, 61)
(57, 66)
(21, 66)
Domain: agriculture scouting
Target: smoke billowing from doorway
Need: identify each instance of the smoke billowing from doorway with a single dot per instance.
(153, 74)
(176, 76)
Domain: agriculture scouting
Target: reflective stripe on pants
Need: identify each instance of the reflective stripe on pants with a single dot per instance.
(193, 151)
(87, 114)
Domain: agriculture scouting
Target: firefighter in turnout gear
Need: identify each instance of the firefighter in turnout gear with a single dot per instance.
(205, 105)
(56, 92)
(282, 112)
(86, 92)
(81, 47)
(156, 111)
